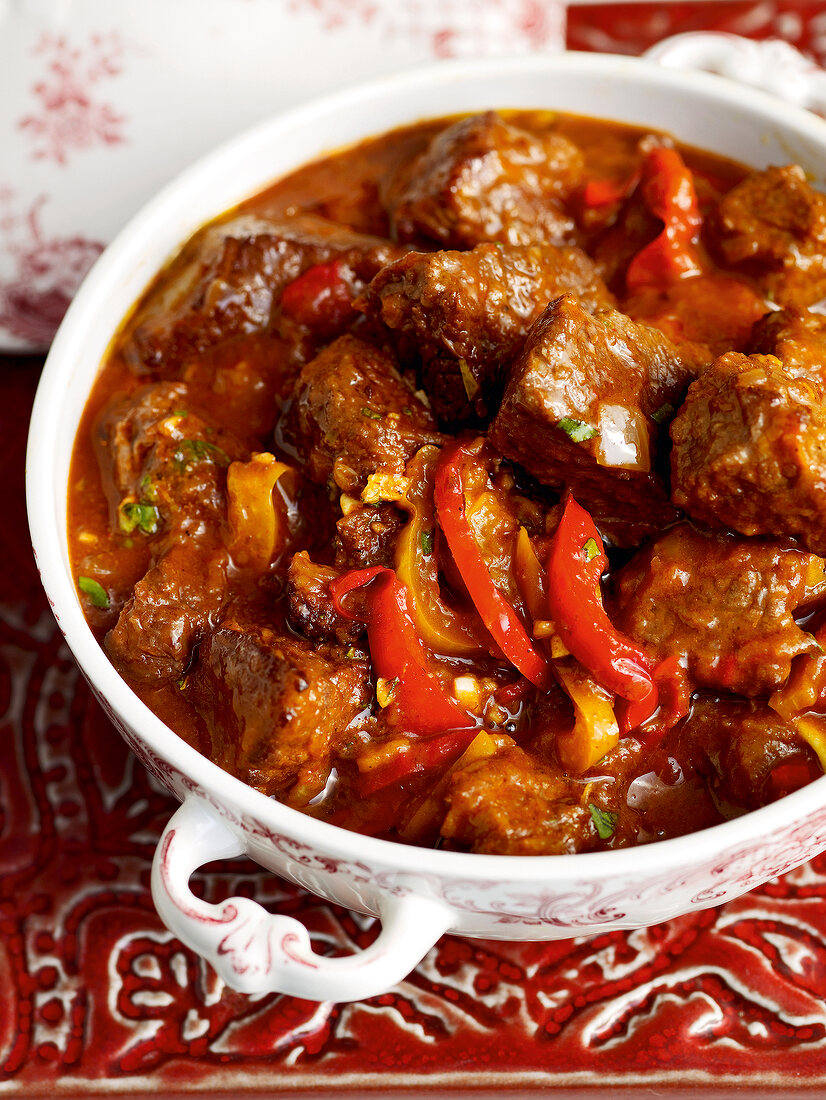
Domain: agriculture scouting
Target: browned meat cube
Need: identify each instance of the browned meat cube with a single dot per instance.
(229, 278)
(511, 804)
(737, 744)
(773, 226)
(798, 338)
(180, 597)
(466, 314)
(167, 461)
(310, 607)
(275, 708)
(483, 179)
(353, 414)
(750, 451)
(581, 409)
(367, 536)
(724, 605)
(164, 472)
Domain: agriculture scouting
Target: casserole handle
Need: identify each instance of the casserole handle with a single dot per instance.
(772, 65)
(258, 952)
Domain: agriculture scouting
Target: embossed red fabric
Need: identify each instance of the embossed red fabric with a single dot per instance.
(97, 997)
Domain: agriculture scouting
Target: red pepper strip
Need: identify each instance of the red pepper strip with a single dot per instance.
(419, 703)
(414, 759)
(499, 617)
(668, 702)
(668, 188)
(509, 695)
(791, 776)
(575, 565)
(319, 298)
(607, 192)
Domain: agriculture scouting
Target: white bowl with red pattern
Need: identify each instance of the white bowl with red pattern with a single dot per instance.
(104, 101)
(418, 894)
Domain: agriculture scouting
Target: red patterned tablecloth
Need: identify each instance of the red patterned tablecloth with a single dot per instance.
(97, 997)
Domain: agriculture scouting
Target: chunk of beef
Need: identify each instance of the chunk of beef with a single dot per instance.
(484, 179)
(581, 408)
(310, 605)
(740, 747)
(511, 804)
(722, 604)
(353, 414)
(275, 708)
(798, 338)
(164, 471)
(180, 598)
(367, 536)
(163, 463)
(773, 226)
(750, 451)
(466, 314)
(229, 278)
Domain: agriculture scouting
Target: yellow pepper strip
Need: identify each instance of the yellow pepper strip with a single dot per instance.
(427, 815)
(813, 730)
(531, 584)
(443, 628)
(256, 518)
(800, 695)
(529, 577)
(595, 730)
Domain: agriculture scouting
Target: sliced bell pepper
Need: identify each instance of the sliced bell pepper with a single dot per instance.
(668, 189)
(595, 732)
(608, 192)
(396, 761)
(791, 776)
(320, 298)
(416, 698)
(500, 618)
(575, 565)
(446, 629)
(256, 518)
(426, 815)
(664, 706)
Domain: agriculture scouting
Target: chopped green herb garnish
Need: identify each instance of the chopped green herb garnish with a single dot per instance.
(140, 514)
(605, 821)
(817, 643)
(663, 413)
(180, 412)
(590, 549)
(407, 410)
(371, 414)
(199, 450)
(97, 594)
(426, 542)
(576, 430)
(148, 489)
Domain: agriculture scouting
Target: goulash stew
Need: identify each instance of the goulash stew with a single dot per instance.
(468, 487)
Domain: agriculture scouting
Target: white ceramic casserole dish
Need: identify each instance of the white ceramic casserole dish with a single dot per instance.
(418, 894)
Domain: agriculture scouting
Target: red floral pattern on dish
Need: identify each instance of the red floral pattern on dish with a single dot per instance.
(450, 28)
(47, 272)
(68, 116)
